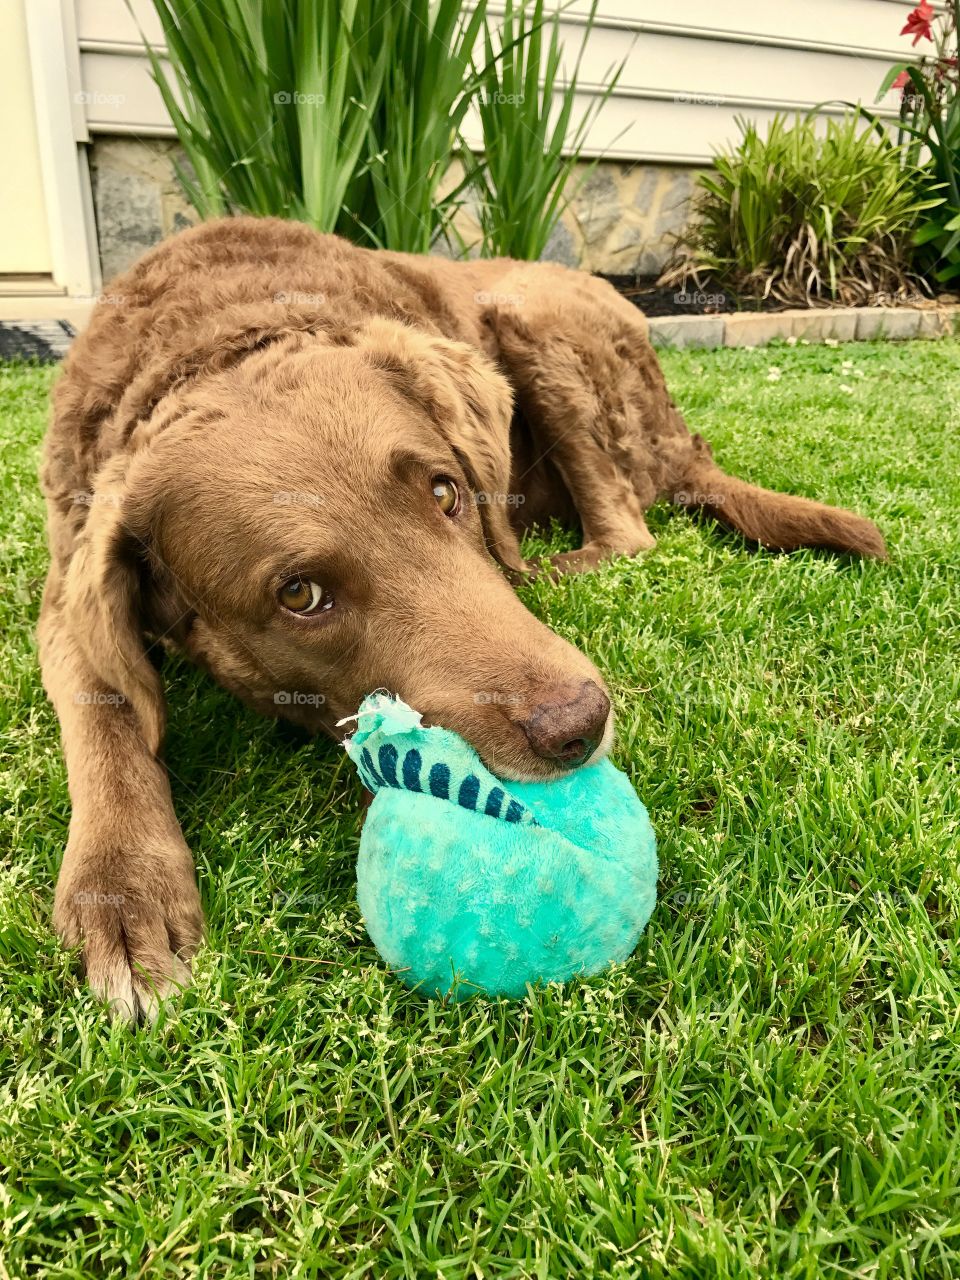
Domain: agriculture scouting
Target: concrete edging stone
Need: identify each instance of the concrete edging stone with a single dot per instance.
(837, 324)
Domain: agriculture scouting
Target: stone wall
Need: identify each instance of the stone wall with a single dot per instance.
(622, 221)
(625, 219)
(137, 198)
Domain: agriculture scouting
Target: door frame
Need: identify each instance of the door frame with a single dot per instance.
(62, 137)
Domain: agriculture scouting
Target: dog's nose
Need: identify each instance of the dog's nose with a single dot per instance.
(567, 729)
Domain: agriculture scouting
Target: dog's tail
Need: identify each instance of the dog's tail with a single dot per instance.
(775, 520)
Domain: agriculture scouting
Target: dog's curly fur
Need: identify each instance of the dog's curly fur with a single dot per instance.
(255, 403)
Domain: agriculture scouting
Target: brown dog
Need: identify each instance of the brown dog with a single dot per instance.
(297, 462)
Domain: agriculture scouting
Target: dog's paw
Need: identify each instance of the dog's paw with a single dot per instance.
(593, 554)
(137, 917)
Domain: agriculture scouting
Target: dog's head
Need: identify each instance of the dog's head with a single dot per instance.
(326, 518)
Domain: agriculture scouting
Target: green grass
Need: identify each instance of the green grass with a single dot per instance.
(770, 1087)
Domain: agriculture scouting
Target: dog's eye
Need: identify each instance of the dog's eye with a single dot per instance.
(302, 595)
(447, 495)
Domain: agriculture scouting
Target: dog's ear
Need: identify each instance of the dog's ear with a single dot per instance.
(470, 403)
(103, 604)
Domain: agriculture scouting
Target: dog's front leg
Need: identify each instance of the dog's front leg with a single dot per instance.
(127, 891)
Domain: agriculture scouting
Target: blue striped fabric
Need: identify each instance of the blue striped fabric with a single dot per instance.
(406, 769)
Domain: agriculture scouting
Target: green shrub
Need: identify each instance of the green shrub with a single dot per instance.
(522, 180)
(342, 113)
(347, 114)
(805, 218)
(428, 85)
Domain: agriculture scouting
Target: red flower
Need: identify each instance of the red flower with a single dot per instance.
(918, 22)
(902, 80)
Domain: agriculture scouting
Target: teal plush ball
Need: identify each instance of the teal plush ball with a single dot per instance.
(466, 880)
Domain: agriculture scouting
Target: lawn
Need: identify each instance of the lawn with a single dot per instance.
(770, 1087)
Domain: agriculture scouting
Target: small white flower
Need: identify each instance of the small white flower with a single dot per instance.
(773, 374)
(846, 388)
(792, 341)
(846, 366)
(832, 342)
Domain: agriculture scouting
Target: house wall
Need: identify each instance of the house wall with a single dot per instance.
(689, 70)
(24, 238)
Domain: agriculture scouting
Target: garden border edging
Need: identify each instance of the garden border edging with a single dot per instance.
(840, 324)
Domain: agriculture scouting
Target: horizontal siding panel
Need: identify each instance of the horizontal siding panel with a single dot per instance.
(674, 65)
(677, 98)
(852, 25)
(120, 96)
(861, 25)
(111, 22)
(660, 131)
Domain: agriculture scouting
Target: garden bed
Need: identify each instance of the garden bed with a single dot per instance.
(711, 315)
(711, 297)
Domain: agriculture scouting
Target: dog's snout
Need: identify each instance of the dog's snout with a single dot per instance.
(568, 729)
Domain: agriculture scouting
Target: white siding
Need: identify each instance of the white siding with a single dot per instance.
(690, 68)
(24, 236)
